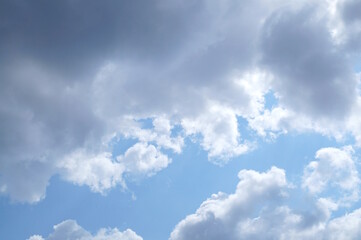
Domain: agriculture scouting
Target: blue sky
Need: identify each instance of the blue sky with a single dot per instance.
(129, 120)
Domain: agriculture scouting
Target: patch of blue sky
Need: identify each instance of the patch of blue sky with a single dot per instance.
(245, 131)
(177, 130)
(270, 100)
(146, 123)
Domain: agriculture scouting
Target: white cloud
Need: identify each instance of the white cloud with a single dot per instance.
(220, 216)
(219, 133)
(98, 171)
(102, 171)
(345, 227)
(257, 210)
(143, 160)
(160, 133)
(281, 120)
(333, 168)
(70, 230)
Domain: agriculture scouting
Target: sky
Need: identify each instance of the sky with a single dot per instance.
(180, 120)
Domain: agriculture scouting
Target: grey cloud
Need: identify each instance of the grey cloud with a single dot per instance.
(73, 37)
(311, 74)
(25, 180)
(350, 10)
(42, 118)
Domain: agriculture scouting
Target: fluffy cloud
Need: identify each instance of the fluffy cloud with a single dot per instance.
(345, 227)
(101, 172)
(221, 215)
(336, 168)
(143, 159)
(257, 210)
(219, 133)
(160, 134)
(69, 229)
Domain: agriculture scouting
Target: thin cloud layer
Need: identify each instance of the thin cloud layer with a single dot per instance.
(77, 78)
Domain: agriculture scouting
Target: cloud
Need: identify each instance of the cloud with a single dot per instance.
(257, 210)
(76, 78)
(304, 48)
(220, 216)
(312, 75)
(161, 133)
(74, 74)
(350, 10)
(15, 180)
(334, 168)
(102, 172)
(219, 133)
(349, 24)
(99, 171)
(36, 237)
(345, 227)
(69, 229)
(143, 159)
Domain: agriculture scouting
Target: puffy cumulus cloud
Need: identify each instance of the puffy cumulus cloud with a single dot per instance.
(101, 171)
(97, 171)
(219, 133)
(257, 210)
(220, 216)
(333, 168)
(69, 229)
(143, 159)
(161, 133)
